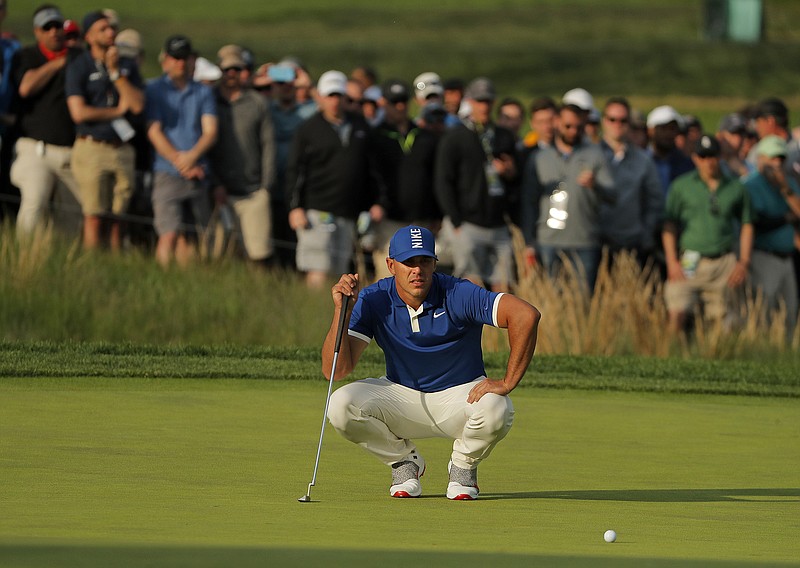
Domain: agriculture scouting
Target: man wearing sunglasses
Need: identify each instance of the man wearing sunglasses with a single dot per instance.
(45, 128)
(631, 222)
(699, 238)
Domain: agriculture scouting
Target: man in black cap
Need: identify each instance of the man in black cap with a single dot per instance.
(405, 154)
(477, 188)
(182, 126)
(46, 132)
(102, 89)
(731, 136)
(699, 238)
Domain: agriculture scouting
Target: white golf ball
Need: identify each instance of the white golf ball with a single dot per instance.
(610, 536)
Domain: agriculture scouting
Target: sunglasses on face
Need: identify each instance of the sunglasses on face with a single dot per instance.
(236, 69)
(617, 119)
(53, 26)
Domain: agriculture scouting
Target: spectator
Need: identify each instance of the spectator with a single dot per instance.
(583, 100)
(182, 126)
(46, 130)
(632, 221)
(354, 98)
(477, 189)
(140, 232)
(102, 88)
(8, 47)
(691, 129)
(663, 127)
(511, 116)
(330, 179)
(775, 200)
(592, 129)
(698, 238)
(72, 34)
(287, 115)
(406, 155)
(562, 190)
(452, 96)
(730, 135)
(772, 119)
(370, 105)
(542, 123)
(428, 89)
(365, 75)
(243, 159)
(637, 133)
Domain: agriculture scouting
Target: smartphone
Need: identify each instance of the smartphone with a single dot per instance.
(281, 73)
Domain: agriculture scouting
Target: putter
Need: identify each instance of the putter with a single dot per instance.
(339, 332)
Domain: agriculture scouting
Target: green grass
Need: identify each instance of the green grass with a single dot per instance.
(777, 376)
(201, 472)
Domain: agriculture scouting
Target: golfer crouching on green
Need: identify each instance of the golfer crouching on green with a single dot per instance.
(429, 327)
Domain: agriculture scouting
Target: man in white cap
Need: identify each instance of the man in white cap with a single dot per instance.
(429, 328)
(330, 179)
(663, 127)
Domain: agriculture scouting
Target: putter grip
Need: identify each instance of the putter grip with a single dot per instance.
(340, 329)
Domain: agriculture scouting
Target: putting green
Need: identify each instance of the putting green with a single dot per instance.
(97, 472)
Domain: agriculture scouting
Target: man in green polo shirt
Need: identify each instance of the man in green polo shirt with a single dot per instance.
(699, 235)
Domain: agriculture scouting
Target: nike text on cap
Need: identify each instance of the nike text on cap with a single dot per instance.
(412, 241)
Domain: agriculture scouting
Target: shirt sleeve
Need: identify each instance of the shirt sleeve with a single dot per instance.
(475, 305)
(361, 325)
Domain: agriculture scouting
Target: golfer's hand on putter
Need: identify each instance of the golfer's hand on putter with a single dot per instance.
(346, 286)
(497, 386)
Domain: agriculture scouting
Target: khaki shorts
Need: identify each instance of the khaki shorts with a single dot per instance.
(709, 284)
(327, 244)
(106, 175)
(253, 213)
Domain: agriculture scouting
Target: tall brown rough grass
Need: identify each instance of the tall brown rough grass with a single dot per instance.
(626, 315)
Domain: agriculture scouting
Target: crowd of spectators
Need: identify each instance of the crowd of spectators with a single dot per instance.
(311, 175)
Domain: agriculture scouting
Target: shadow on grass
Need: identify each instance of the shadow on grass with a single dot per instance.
(87, 556)
(771, 495)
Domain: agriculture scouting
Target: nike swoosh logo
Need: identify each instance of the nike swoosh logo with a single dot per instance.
(437, 314)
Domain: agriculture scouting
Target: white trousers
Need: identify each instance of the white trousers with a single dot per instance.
(383, 417)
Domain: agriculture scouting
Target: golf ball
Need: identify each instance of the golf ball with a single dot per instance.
(610, 536)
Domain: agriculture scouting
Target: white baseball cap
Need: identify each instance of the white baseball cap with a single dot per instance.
(428, 84)
(662, 115)
(581, 98)
(332, 83)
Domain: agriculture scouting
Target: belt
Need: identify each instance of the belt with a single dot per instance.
(783, 255)
(715, 256)
(113, 144)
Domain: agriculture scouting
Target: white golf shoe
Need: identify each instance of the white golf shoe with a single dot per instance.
(463, 484)
(405, 476)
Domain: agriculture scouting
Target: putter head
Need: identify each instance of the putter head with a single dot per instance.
(305, 499)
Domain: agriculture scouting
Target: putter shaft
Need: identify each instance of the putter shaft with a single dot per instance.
(337, 345)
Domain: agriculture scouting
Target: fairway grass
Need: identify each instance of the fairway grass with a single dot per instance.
(203, 472)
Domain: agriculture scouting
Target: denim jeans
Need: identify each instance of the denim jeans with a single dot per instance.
(585, 260)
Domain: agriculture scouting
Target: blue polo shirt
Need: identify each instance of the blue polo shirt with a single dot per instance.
(436, 347)
(179, 113)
